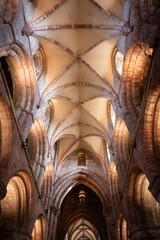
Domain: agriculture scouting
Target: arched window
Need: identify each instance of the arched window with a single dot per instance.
(39, 62)
(49, 114)
(108, 153)
(111, 116)
(82, 197)
(119, 62)
(81, 159)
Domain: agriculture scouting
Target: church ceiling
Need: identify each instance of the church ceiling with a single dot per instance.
(78, 38)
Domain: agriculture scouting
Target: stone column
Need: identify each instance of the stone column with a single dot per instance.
(53, 222)
(111, 227)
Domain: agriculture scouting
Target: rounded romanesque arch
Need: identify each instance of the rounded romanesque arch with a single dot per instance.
(135, 71)
(151, 140)
(146, 209)
(150, 209)
(22, 84)
(151, 127)
(122, 141)
(39, 232)
(74, 75)
(49, 116)
(16, 206)
(37, 148)
(47, 185)
(111, 117)
(122, 231)
(5, 130)
(122, 146)
(39, 62)
(114, 180)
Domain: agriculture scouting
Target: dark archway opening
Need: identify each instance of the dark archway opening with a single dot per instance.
(7, 74)
(81, 205)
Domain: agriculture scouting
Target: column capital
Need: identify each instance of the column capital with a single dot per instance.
(55, 211)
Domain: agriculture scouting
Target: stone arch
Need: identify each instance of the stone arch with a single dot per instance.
(47, 185)
(145, 216)
(6, 75)
(49, 114)
(114, 181)
(89, 226)
(108, 151)
(85, 210)
(117, 62)
(23, 80)
(149, 207)
(39, 232)
(135, 71)
(151, 126)
(66, 183)
(16, 206)
(5, 130)
(151, 141)
(37, 148)
(79, 215)
(122, 229)
(111, 118)
(76, 228)
(39, 62)
(88, 154)
(122, 142)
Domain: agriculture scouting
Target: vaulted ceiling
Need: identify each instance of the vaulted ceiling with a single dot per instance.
(78, 38)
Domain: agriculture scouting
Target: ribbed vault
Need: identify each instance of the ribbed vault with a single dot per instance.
(79, 119)
(78, 38)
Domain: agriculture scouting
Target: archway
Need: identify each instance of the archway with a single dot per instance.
(81, 216)
(15, 207)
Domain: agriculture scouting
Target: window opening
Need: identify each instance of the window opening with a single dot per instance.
(81, 159)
